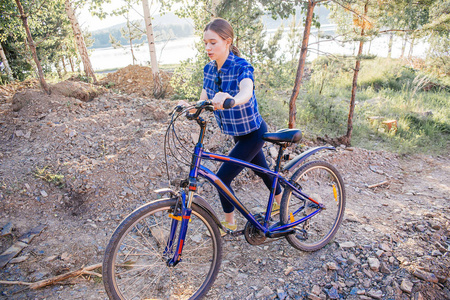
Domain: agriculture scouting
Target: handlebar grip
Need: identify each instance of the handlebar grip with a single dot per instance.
(228, 103)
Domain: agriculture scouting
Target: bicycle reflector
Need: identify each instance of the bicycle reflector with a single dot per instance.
(335, 193)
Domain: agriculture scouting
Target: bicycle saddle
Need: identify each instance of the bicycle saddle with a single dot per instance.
(283, 136)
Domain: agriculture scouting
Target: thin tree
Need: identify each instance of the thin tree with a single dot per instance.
(301, 63)
(364, 24)
(32, 46)
(79, 39)
(6, 64)
(157, 86)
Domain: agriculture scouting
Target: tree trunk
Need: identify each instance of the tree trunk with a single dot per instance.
(58, 70)
(391, 41)
(71, 64)
(6, 64)
(79, 39)
(64, 65)
(131, 39)
(405, 39)
(411, 48)
(33, 48)
(301, 64)
(157, 86)
(348, 136)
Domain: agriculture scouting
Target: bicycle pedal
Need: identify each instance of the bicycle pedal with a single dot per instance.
(235, 233)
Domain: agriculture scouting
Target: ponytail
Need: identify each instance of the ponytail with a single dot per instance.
(235, 50)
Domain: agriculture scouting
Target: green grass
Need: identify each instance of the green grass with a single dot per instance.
(387, 89)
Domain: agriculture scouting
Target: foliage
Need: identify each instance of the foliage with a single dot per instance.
(261, 51)
(187, 79)
(49, 176)
(388, 89)
(50, 30)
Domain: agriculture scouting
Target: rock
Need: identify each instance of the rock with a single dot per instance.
(281, 294)
(436, 253)
(418, 296)
(347, 245)
(385, 247)
(406, 286)
(313, 297)
(352, 259)
(430, 277)
(72, 133)
(7, 229)
(420, 228)
(442, 247)
(376, 294)
(264, 293)
(353, 291)
(379, 253)
(50, 258)
(332, 293)
(350, 283)
(316, 290)
(126, 191)
(288, 270)
(65, 256)
(19, 259)
(44, 193)
(332, 265)
(273, 152)
(384, 269)
(374, 264)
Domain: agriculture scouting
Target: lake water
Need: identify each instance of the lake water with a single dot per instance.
(177, 50)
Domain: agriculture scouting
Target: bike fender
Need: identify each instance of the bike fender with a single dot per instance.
(300, 158)
(205, 205)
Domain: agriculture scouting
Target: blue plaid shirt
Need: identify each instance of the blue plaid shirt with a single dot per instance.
(241, 119)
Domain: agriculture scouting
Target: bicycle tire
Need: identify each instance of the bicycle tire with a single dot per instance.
(134, 266)
(321, 181)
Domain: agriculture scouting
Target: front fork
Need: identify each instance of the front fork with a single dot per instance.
(182, 215)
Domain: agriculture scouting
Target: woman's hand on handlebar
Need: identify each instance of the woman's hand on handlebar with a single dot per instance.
(219, 99)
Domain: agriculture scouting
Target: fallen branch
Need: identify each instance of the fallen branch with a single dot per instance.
(39, 284)
(15, 282)
(378, 184)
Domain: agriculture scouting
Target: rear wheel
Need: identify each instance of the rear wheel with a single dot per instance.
(321, 182)
(134, 265)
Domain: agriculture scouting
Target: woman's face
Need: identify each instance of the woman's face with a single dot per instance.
(216, 47)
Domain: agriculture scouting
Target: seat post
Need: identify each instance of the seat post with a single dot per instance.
(280, 155)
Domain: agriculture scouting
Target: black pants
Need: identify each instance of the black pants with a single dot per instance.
(248, 148)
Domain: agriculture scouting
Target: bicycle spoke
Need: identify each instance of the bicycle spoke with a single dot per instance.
(321, 182)
(140, 270)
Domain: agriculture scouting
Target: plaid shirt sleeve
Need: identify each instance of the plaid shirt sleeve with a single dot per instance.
(239, 120)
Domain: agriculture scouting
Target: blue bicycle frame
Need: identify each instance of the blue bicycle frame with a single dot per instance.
(197, 169)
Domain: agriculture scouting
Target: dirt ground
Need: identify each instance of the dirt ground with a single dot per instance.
(79, 168)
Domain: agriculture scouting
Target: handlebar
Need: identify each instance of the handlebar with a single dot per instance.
(205, 105)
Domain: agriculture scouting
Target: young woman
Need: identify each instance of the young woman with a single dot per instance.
(228, 75)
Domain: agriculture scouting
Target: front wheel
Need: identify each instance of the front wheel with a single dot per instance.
(135, 262)
(320, 181)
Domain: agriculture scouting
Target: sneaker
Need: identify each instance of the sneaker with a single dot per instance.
(228, 226)
(275, 209)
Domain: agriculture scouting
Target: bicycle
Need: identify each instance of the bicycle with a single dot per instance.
(171, 248)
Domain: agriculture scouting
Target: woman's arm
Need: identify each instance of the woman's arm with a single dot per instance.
(244, 95)
(203, 95)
